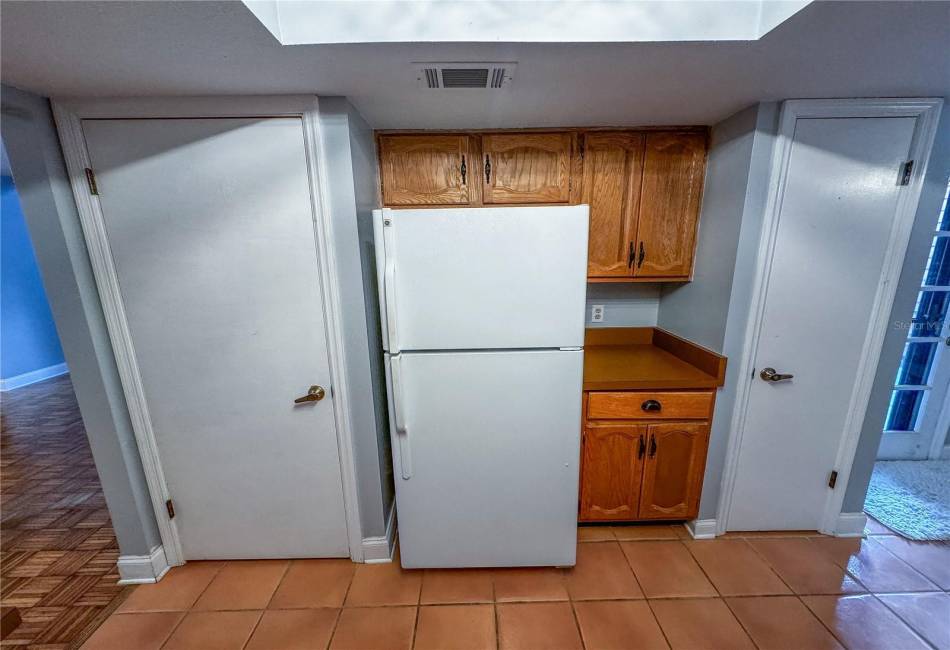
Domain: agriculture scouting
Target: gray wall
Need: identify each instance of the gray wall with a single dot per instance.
(698, 310)
(746, 253)
(713, 309)
(625, 305)
(931, 199)
(350, 153)
(43, 186)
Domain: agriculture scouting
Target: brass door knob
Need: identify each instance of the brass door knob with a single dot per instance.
(315, 394)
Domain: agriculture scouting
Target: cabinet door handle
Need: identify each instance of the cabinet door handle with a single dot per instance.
(641, 256)
(643, 447)
(463, 169)
(631, 256)
(652, 446)
(487, 170)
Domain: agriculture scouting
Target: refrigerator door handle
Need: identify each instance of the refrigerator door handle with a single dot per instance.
(389, 282)
(399, 417)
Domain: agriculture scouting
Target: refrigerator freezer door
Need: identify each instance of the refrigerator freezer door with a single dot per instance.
(482, 278)
(494, 440)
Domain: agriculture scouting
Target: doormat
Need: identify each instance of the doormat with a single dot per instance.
(911, 497)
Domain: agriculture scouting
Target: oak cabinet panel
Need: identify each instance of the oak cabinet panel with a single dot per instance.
(673, 470)
(671, 191)
(526, 167)
(649, 405)
(425, 169)
(613, 166)
(610, 484)
(644, 188)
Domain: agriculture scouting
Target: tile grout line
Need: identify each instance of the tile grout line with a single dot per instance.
(339, 614)
(260, 618)
(724, 601)
(415, 621)
(904, 621)
(188, 611)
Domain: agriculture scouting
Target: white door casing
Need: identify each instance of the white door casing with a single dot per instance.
(322, 269)
(832, 245)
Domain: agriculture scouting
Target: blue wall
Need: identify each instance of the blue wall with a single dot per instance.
(28, 339)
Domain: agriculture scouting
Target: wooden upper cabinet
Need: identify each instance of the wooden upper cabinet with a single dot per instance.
(613, 166)
(673, 174)
(526, 167)
(612, 462)
(673, 470)
(426, 169)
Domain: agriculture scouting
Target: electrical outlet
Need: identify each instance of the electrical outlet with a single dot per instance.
(597, 313)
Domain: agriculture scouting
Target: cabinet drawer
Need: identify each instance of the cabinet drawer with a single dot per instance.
(647, 405)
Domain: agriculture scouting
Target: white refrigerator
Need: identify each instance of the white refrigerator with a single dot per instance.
(483, 330)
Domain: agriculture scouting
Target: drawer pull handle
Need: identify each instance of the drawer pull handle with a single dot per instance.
(651, 405)
(652, 446)
(643, 447)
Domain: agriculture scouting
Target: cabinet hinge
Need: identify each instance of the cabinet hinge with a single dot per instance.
(91, 182)
(906, 170)
(170, 507)
(833, 480)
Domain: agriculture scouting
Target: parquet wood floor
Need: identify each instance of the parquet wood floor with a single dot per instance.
(58, 551)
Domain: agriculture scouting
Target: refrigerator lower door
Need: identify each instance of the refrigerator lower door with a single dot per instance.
(482, 278)
(486, 449)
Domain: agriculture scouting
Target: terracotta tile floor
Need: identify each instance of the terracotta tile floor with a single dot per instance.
(58, 558)
(633, 587)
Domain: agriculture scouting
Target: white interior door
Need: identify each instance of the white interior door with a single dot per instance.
(485, 455)
(210, 226)
(834, 226)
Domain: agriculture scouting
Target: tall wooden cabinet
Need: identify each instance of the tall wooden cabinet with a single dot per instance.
(644, 187)
(613, 167)
(673, 171)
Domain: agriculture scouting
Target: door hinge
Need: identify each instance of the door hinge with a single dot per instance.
(833, 480)
(170, 507)
(906, 170)
(91, 182)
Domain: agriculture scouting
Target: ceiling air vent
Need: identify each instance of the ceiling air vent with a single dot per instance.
(450, 76)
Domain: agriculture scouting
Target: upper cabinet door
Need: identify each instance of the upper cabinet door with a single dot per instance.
(673, 170)
(526, 167)
(613, 166)
(425, 169)
(673, 470)
(610, 480)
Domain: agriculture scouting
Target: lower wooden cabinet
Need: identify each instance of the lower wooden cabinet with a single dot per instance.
(673, 470)
(613, 467)
(634, 470)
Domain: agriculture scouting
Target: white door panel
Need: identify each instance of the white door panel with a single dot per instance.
(210, 226)
(834, 226)
(494, 439)
(483, 278)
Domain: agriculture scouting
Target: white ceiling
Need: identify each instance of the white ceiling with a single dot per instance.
(847, 49)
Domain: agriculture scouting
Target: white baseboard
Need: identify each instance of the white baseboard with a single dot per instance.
(851, 524)
(33, 377)
(378, 550)
(143, 569)
(701, 528)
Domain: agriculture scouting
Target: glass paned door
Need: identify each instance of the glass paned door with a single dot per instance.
(919, 408)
